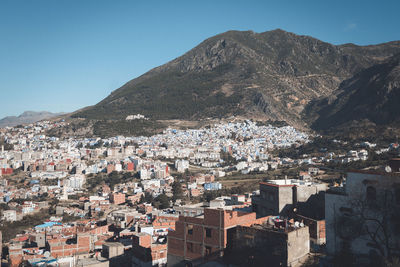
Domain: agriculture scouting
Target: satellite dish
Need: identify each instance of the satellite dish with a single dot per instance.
(47, 254)
(296, 224)
(388, 169)
(301, 224)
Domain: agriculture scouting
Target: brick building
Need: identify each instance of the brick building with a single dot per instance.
(130, 166)
(117, 198)
(7, 171)
(62, 248)
(110, 168)
(135, 198)
(204, 236)
(59, 247)
(146, 252)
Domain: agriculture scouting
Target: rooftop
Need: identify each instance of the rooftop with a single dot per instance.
(90, 261)
(113, 244)
(288, 182)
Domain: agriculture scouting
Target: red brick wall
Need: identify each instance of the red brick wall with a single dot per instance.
(110, 168)
(179, 230)
(15, 260)
(130, 166)
(118, 198)
(176, 247)
(196, 252)
(233, 218)
(217, 220)
(321, 226)
(141, 241)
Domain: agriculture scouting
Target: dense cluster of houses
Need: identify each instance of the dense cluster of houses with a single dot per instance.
(278, 223)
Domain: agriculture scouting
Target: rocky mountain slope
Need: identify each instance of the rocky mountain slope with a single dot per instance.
(27, 117)
(371, 95)
(271, 75)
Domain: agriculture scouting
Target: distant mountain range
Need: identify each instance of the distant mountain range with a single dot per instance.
(274, 75)
(27, 117)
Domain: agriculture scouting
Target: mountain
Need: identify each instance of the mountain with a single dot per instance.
(272, 75)
(27, 117)
(371, 95)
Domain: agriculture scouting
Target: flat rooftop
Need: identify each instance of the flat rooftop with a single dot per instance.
(288, 182)
(113, 244)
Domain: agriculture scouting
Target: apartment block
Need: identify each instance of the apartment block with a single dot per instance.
(204, 236)
(117, 198)
(280, 197)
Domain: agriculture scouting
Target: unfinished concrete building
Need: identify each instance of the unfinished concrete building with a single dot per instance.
(203, 237)
(280, 197)
(261, 245)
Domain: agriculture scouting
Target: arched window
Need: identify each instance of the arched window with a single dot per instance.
(371, 193)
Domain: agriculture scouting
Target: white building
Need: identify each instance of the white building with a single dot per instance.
(76, 181)
(358, 211)
(145, 174)
(181, 165)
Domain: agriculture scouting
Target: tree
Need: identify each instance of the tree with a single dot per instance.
(161, 202)
(177, 190)
(374, 218)
(148, 198)
(210, 195)
(227, 158)
(142, 200)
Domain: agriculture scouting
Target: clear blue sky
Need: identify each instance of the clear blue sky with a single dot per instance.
(62, 55)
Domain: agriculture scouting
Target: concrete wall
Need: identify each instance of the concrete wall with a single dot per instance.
(175, 261)
(317, 229)
(332, 204)
(112, 249)
(340, 220)
(298, 243)
(285, 199)
(278, 248)
(268, 201)
(303, 193)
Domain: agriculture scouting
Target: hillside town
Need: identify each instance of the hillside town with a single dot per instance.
(174, 199)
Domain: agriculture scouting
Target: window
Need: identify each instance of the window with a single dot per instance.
(208, 232)
(190, 229)
(208, 250)
(346, 211)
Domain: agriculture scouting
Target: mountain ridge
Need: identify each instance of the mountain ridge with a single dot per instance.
(27, 117)
(272, 75)
(371, 95)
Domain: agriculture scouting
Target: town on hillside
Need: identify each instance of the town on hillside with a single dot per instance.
(239, 194)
